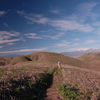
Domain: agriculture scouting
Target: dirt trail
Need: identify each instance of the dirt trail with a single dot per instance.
(51, 92)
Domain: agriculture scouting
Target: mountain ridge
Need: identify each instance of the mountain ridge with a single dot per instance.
(80, 52)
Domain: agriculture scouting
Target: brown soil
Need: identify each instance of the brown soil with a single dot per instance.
(51, 93)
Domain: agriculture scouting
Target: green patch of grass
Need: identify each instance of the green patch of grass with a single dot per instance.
(71, 93)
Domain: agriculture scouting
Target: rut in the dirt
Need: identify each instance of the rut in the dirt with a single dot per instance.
(51, 93)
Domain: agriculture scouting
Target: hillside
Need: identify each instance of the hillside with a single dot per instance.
(4, 60)
(46, 57)
(91, 61)
(51, 57)
(90, 57)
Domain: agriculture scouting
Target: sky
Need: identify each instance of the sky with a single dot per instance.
(28, 26)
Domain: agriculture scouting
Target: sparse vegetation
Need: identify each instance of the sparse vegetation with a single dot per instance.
(86, 80)
(24, 77)
(70, 93)
(24, 82)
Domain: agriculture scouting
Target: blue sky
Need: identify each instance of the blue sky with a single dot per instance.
(28, 26)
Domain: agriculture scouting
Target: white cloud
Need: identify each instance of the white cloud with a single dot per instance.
(90, 41)
(33, 36)
(5, 24)
(96, 24)
(77, 39)
(43, 31)
(97, 31)
(9, 41)
(34, 18)
(1, 46)
(78, 49)
(83, 49)
(86, 9)
(74, 44)
(54, 37)
(2, 13)
(66, 25)
(39, 20)
(23, 50)
(55, 11)
(70, 23)
(64, 43)
(84, 12)
(8, 34)
(21, 12)
(6, 37)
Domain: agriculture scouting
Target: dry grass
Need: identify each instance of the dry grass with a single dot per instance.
(89, 57)
(92, 65)
(16, 80)
(4, 60)
(87, 81)
(18, 77)
(44, 57)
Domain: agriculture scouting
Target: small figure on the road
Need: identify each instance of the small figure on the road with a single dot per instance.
(59, 64)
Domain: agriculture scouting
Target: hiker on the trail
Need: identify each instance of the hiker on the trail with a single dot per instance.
(58, 64)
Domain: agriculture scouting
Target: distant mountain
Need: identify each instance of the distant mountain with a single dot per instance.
(80, 52)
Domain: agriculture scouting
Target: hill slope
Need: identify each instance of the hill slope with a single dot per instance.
(90, 57)
(4, 60)
(91, 61)
(46, 57)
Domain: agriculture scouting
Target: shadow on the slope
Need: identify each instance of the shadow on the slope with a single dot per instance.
(42, 93)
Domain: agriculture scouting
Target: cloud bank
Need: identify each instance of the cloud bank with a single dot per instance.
(23, 50)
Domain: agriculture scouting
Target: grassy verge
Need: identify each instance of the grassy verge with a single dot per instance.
(71, 93)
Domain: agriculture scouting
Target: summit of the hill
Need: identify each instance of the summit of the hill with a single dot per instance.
(45, 57)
